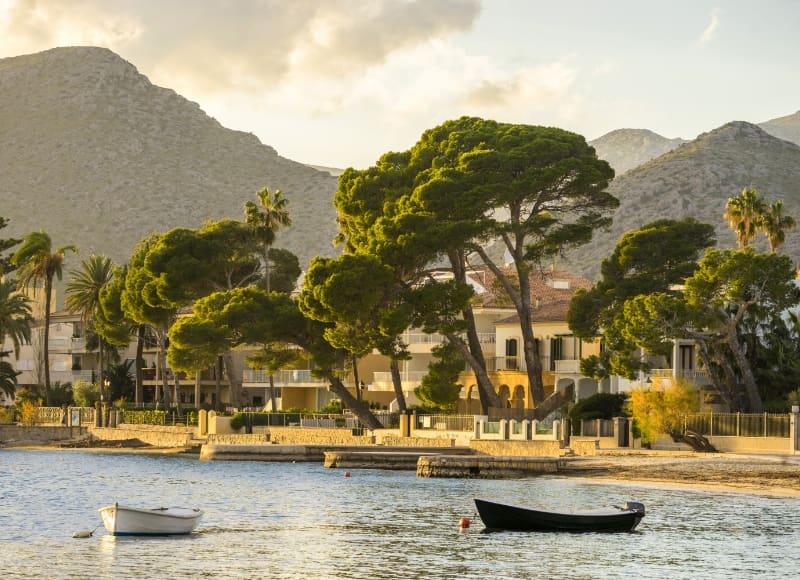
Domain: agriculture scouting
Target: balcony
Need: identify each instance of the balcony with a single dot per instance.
(283, 378)
(409, 379)
(572, 366)
(505, 363)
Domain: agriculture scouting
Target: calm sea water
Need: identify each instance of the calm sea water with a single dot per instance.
(278, 520)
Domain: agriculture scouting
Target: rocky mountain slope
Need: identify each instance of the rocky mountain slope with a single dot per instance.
(97, 156)
(787, 128)
(696, 179)
(625, 149)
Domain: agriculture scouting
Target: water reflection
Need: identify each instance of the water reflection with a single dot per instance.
(300, 520)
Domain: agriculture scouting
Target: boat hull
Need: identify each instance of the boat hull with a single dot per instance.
(496, 516)
(131, 521)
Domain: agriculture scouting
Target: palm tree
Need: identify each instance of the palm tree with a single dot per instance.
(743, 213)
(266, 220)
(15, 315)
(83, 296)
(775, 225)
(15, 323)
(38, 264)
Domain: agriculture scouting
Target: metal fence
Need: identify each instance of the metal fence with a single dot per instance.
(55, 416)
(596, 428)
(739, 424)
(446, 422)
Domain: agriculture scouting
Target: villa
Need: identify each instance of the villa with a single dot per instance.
(499, 334)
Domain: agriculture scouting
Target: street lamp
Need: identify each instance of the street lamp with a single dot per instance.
(106, 384)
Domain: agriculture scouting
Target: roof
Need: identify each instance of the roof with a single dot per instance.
(551, 292)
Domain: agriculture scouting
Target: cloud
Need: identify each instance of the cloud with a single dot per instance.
(711, 29)
(539, 87)
(242, 45)
(345, 37)
(35, 25)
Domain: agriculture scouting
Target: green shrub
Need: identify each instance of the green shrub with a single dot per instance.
(143, 416)
(85, 394)
(599, 406)
(334, 407)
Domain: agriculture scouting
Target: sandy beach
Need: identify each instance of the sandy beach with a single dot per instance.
(772, 475)
(768, 475)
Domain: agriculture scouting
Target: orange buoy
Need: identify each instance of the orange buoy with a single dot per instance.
(347, 474)
(463, 523)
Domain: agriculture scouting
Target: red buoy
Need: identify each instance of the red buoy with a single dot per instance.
(463, 523)
(347, 474)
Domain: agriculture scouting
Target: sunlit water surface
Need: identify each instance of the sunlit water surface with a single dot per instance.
(299, 520)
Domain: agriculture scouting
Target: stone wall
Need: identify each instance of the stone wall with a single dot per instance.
(484, 467)
(397, 441)
(584, 446)
(317, 436)
(156, 435)
(38, 434)
(517, 448)
(237, 438)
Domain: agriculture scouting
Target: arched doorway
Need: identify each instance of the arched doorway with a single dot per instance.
(518, 400)
(505, 395)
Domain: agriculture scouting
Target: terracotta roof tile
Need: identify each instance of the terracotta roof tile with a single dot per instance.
(551, 292)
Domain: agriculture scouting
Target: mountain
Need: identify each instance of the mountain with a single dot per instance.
(787, 128)
(97, 156)
(625, 149)
(696, 179)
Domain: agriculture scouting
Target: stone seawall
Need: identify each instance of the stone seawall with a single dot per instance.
(317, 436)
(397, 441)
(517, 448)
(237, 438)
(11, 435)
(155, 435)
(482, 467)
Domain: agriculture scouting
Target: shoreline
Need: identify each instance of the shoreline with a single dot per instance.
(767, 475)
(776, 476)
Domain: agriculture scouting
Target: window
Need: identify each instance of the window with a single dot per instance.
(511, 354)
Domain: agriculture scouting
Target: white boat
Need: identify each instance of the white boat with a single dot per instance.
(163, 521)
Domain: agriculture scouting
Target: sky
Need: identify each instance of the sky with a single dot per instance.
(338, 83)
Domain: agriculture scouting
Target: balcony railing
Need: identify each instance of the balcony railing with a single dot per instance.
(282, 378)
(408, 379)
(505, 363)
(423, 338)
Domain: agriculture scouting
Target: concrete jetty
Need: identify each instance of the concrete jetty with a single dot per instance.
(485, 466)
(262, 452)
(396, 458)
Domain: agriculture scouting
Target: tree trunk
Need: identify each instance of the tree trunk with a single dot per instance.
(48, 295)
(272, 400)
(139, 394)
(234, 380)
(162, 362)
(197, 393)
(486, 393)
(177, 394)
(533, 363)
(359, 409)
(694, 440)
(218, 385)
(553, 402)
(359, 395)
(100, 364)
(472, 351)
(721, 388)
(397, 383)
(748, 380)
